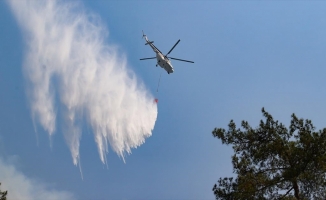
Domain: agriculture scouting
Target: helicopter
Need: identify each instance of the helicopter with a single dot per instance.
(163, 60)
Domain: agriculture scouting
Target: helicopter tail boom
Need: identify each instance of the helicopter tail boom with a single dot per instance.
(149, 42)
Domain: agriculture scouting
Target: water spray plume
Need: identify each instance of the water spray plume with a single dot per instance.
(69, 67)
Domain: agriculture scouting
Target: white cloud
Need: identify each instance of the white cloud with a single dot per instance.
(22, 187)
(69, 66)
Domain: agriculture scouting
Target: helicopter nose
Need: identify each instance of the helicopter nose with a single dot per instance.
(171, 68)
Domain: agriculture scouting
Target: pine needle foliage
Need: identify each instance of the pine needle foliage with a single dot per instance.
(274, 162)
(3, 195)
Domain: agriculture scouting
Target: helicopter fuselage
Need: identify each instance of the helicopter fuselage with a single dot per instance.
(163, 62)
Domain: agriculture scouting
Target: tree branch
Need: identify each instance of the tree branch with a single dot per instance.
(286, 193)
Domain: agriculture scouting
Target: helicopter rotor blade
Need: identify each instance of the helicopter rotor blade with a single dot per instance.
(181, 60)
(172, 48)
(147, 58)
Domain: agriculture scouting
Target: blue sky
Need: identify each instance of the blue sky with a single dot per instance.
(248, 55)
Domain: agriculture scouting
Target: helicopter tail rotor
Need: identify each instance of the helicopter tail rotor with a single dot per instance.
(147, 41)
(143, 34)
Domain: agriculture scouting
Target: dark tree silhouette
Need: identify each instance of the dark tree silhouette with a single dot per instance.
(273, 162)
(3, 195)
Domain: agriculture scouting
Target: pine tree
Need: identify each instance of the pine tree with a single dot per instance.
(3, 195)
(273, 162)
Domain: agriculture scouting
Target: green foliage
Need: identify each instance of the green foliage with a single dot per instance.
(273, 162)
(3, 195)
